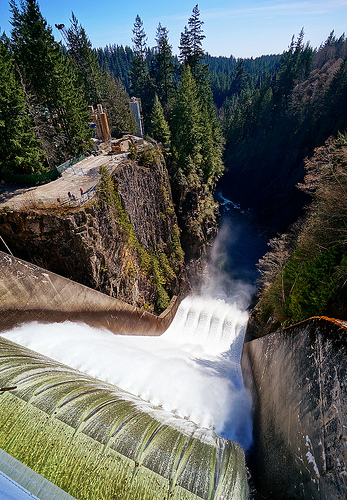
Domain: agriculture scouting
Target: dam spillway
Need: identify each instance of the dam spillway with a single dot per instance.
(29, 292)
(93, 439)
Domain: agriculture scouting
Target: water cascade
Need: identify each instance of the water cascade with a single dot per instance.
(85, 432)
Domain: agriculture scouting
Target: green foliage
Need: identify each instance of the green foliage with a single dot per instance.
(158, 267)
(178, 109)
(187, 132)
(311, 284)
(191, 52)
(163, 67)
(133, 154)
(57, 109)
(160, 127)
(305, 273)
(272, 124)
(89, 73)
(149, 156)
(295, 66)
(142, 85)
(196, 162)
(176, 254)
(116, 102)
(97, 84)
(20, 151)
(116, 60)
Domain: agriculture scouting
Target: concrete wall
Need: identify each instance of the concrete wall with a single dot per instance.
(298, 380)
(29, 293)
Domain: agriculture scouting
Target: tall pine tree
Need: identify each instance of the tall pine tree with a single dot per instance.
(164, 66)
(191, 52)
(160, 127)
(196, 142)
(142, 85)
(56, 104)
(99, 87)
(86, 61)
(20, 151)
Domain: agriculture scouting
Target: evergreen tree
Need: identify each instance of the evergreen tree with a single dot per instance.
(99, 87)
(116, 102)
(196, 162)
(187, 133)
(20, 151)
(197, 36)
(212, 145)
(57, 107)
(88, 69)
(139, 69)
(191, 52)
(241, 79)
(185, 46)
(160, 127)
(164, 66)
(296, 65)
(142, 85)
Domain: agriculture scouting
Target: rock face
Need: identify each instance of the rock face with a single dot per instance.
(124, 243)
(298, 380)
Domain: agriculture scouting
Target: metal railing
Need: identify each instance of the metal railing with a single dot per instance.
(70, 162)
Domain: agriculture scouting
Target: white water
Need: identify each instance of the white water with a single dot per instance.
(192, 370)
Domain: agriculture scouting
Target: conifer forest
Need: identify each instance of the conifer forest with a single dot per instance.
(269, 132)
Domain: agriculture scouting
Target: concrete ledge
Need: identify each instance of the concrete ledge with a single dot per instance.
(23, 477)
(30, 293)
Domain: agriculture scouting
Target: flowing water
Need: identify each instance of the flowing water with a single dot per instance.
(192, 370)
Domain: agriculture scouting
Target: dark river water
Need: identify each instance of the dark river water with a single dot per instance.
(241, 241)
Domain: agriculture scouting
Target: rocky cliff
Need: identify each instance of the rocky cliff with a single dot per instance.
(124, 242)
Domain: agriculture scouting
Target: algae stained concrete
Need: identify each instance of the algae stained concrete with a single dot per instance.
(95, 441)
(298, 380)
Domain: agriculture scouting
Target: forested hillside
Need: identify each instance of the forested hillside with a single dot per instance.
(271, 129)
(305, 272)
(48, 86)
(262, 117)
(179, 111)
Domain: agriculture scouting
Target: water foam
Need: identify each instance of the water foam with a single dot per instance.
(192, 370)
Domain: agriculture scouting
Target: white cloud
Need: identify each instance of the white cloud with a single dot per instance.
(277, 9)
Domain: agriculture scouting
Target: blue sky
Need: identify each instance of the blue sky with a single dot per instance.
(240, 28)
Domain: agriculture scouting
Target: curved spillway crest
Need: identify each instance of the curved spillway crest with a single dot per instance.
(96, 441)
(192, 370)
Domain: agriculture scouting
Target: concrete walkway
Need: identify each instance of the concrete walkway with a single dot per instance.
(83, 175)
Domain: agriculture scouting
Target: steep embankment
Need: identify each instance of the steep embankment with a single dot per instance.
(124, 242)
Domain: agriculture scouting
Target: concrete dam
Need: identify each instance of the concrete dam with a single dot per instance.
(95, 440)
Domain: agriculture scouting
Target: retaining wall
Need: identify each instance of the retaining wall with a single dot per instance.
(30, 293)
(297, 377)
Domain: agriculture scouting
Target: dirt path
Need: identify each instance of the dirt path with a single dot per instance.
(83, 175)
